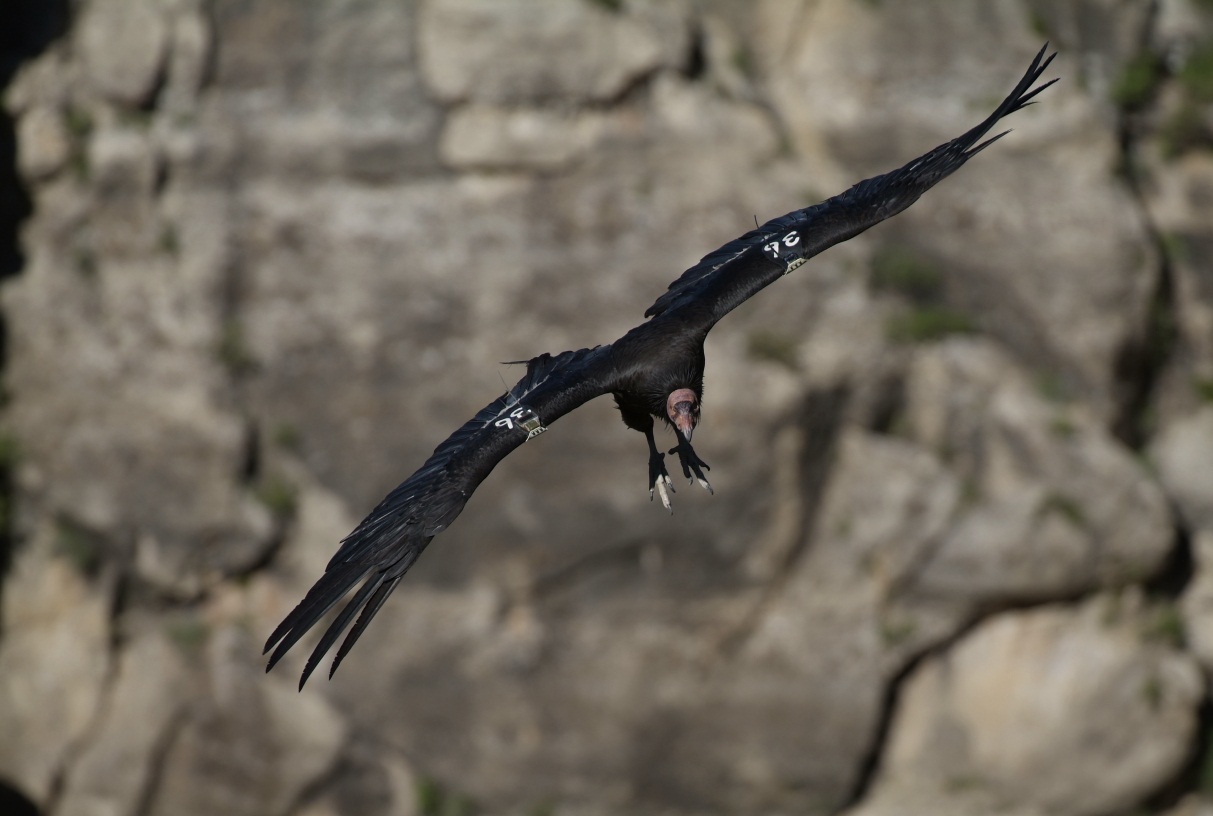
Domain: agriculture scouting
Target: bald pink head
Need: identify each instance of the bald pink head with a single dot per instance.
(682, 406)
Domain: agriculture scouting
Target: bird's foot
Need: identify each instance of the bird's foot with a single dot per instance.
(659, 479)
(692, 466)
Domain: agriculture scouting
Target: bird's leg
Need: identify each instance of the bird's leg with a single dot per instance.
(659, 477)
(691, 463)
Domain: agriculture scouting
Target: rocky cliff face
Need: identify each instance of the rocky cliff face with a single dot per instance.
(960, 556)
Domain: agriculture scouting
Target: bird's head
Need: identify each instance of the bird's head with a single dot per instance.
(682, 407)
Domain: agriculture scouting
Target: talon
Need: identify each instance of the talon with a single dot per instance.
(659, 480)
(692, 466)
(665, 496)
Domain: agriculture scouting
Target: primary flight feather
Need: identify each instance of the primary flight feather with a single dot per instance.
(655, 371)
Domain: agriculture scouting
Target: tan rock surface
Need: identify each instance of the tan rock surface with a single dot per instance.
(273, 252)
(1017, 707)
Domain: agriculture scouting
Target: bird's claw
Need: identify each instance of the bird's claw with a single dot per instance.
(664, 488)
(659, 478)
(692, 466)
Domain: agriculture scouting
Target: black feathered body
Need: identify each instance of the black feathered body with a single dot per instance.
(652, 361)
(640, 369)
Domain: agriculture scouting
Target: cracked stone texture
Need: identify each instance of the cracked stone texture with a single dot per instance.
(56, 660)
(1053, 505)
(113, 772)
(562, 52)
(278, 249)
(122, 45)
(1015, 706)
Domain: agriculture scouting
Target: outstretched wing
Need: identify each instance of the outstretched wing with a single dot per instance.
(387, 542)
(727, 277)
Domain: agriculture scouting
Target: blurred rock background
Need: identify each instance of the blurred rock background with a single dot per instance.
(259, 258)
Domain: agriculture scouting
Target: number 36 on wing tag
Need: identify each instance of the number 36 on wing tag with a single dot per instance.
(777, 250)
(524, 418)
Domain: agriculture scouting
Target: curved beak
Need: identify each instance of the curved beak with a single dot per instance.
(684, 419)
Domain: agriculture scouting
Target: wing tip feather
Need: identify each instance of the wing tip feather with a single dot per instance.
(326, 593)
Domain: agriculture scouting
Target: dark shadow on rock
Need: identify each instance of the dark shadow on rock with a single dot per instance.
(29, 27)
(14, 803)
(14, 202)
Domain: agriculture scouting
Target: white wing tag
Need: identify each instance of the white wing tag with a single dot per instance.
(777, 251)
(524, 418)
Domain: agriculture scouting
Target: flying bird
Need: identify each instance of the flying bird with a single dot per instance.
(654, 372)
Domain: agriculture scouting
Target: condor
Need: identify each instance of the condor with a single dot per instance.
(654, 372)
